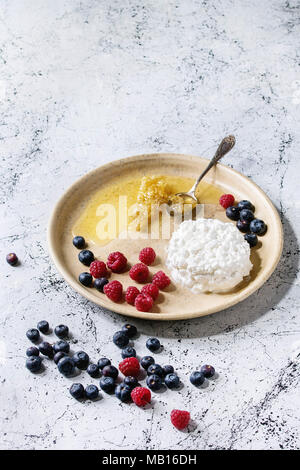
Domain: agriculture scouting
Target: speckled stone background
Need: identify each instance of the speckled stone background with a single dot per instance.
(84, 83)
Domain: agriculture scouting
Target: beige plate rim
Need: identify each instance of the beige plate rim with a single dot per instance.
(118, 308)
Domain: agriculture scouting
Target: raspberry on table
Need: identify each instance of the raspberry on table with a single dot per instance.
(113, 290)
(130, 367)
(143, 302)
(226, 200)
(147, 255)
(139, 272)
(141, 396)
(131, 293)
(180, 419)
(151, 289)
(161, 280)
(98, 269)
(117, 262)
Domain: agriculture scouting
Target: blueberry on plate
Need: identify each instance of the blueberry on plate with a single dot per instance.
(43, 326)
(245, 205)
(79, 242)
(12, 259)
(86, 279)
(32, 351)
(258, 226)
(81, 360)
(233, 213)
(58, 356)
(100, 283)
(251, 238)
(147, 361)
(154, 382)
(86, 257)
(131, 381)
(155, 369)
(92, 392)
(197, 378)
(33, 335)
(246, 215)
(77, 391)
(46, 349)
(172, 381)
(34, 363)
(208, 371)
(110, 371)
(129, 330)
(61, 345)
(128, 352)
(103, 361)
(107, 384)
(120, 339)
(168, 369)
(66, 366)
(93, 370)
(153, 344)
(123, 392)
(243, 226)
(61, 331)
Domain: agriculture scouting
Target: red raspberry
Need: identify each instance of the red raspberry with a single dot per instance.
(161, 280)
(130, 367)
(147, 255)
(117, 262)
(113, 290)
(139, 272)
(226, 200)
(151, 289)
(131, 293)
(98, 269)
(143, 302)
(141, 396)
(180, 419)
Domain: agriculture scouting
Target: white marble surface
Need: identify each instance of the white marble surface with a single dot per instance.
(84, 83)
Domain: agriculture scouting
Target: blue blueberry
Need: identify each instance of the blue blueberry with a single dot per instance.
(251, 238)
(66, 366)
(243, 226)
(123, 392)
(103, 362)
(168, 369)
(233, 213)
(86, 257)
(58, 356)
(33, 335)
(128, 352)
(147, 361)
(197, 378)
(155, 369)
(32, 351)
(91, 392)
(172, 381)
(43, 326)
(258, 226)
(120, 339)
(34, 363)
(86, 279)
(153, 344)
(100, 283)
(77, 391)
(131, 381)
(46, 349)
(61, 331)
(93, 370)
(107, 384)
(154, 382)
(110, 371)
(61, 345)
(129, 330)
(79, 242)
(247, 215)
(81, 360)
(245, 205)
(208, 371)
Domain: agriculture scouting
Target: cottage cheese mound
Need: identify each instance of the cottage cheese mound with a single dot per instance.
(207, 255)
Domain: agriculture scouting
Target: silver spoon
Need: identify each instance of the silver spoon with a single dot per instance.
(225, 146)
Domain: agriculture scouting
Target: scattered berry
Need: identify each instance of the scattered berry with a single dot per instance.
(61, 331)
(66, 366)
(129, 330)
(79, 242)
(168, 369)
(58, 356)
(252, 239)
(139, 272)
(117, 262)
(130, 366)
(33, 335)
(242, 225)
(100, 283)
(61, 346)
(103, 362)
(120, 339)
(233, 213)
(34, 363)
(147, 361)
(143, 302)
(85, 279)
(154, 382)
(131, 294)
(246, 205)
(43, 326)
(155, 369)
(161, 280)
(131, 381)
(147, 255)
(258, 226)
(208, 371)
(153, 344)
(110, 371)
(113, 290)
(246, 215)
(86, 257)
(81, 360)
(98, 269)
(180, 419)
(128, 352)
(107, 384)
(123, 392)
(77, 391)
(151, 289)
(141, 396)
(197, 378)
(12, 259)
(172, 381)
(226, 200)
(32, 351)
(91, 392)
(93, 370)
(46, 349)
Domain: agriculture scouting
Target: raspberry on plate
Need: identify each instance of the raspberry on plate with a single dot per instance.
(147, 255)
(117, 262)
(180, 419)
(161, 280)
(130, 367)
(139, 272)
(98, 269)
(226, 200)
(141, 396)
(113, 290)
(131, 293)
(151, 289)
(143, 302)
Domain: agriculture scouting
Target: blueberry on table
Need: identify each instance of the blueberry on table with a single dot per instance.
(61, 345)
(172, 381)
(168, 369)
(155, 369)
(58, 356)
(129, 330)
(247, 215)
(12, 259)
(154, 382)
(258, 226)
(103, 361)
(243, 226)
(110, 371)
(34, 363)
(197, 378)
(107, 384)
(43, 326)
(100, 283)
(233, 213)
(131, 381)
(93, 370)
(46, 349)
(86, 257)
(245, 205)
(86, 279)
(91, 392)
(251, 238)
(81, 360)
(147, 361)
(153, 344)
(32, 351)
(33, 335)
(79, 242)
(61, 331)
(128, 352)
(66, 366)
(120, 339)
(123, 392)
(208, 371)
(77, 391)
